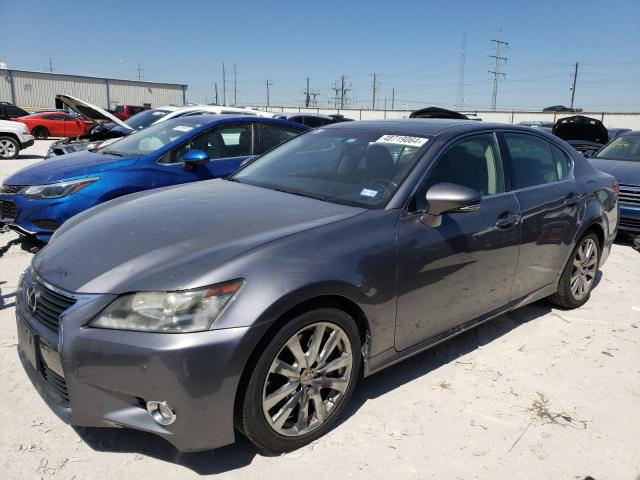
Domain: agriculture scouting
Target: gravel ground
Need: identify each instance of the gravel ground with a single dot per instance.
(539, 393)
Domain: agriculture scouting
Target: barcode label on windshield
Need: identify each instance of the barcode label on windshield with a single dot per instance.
(403, 140)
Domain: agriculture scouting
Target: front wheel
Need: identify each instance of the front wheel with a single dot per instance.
(41, 133)
(9, 148)
(578, 276)
(301, 382)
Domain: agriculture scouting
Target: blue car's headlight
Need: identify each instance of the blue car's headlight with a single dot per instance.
(57, 190)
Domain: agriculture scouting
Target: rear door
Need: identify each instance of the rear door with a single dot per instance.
(227, 146)
(464, 268)
(541, 178)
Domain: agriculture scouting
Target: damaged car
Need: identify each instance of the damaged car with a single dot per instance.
(582, 133)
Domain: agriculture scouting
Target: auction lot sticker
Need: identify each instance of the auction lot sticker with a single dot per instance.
(403, 140)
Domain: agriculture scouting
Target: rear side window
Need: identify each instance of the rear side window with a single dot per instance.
(535, 161)
(273, 135)
(14, 111)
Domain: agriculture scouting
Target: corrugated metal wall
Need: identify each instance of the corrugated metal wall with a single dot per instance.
(37, 90)
(610, 120)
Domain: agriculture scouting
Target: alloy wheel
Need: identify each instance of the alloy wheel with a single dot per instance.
(7, 149)
(585, 265)
(307, 379)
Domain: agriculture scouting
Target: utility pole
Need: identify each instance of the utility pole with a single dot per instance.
(235, 85)
(268, 85)
(343, 92)
(496, 72)
(140, 70)
(307, 97)
(460, 95)
(224, 85)
(573, 87)
(393, 98)
(373, 102)
(50, 65)
(216, 85)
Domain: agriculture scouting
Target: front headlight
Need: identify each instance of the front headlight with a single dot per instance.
(168, 312)
(58, 190)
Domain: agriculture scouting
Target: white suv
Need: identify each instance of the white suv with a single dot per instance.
(14, 136)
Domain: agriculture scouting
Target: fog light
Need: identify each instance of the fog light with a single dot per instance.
(161, 412)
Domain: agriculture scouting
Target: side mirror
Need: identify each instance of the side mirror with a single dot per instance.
(248, 160)
(588, 153)
(448, 198)
(193, 158)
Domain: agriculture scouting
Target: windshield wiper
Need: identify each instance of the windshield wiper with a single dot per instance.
(112, 152)
(308, 195)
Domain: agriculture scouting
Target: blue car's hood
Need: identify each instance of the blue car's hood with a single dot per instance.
(626, 171)
(73, 165)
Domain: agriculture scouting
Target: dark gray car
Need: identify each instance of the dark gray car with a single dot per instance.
(255, 303)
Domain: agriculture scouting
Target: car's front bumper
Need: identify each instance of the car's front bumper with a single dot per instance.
(109, 375)
(27, 141)
(629, 218)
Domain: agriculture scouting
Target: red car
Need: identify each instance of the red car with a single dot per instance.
(48, 124)
(123, 112)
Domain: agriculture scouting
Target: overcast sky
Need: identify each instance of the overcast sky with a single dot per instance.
(412, 46)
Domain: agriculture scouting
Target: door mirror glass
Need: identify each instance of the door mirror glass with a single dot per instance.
(449, 198)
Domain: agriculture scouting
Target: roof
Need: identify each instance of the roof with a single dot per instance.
(424, 126)
(140, 82)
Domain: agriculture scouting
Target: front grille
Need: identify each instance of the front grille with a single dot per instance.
(8, 210)
(629, 194)
(56, 382)
(11, 188)
(630, 223)
(49, 306)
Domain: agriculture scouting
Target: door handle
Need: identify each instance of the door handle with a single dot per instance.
(507, 220)
(571, 200)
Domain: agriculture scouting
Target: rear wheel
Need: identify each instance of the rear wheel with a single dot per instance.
(579, 274)
(9, 148)
(301, 382)
(41, 133)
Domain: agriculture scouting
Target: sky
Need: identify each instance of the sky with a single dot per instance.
(413, 46)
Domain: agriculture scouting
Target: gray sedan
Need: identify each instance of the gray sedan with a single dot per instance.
(254, 304)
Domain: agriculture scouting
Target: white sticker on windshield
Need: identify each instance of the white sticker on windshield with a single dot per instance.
(365, 192)
(403, 140)
(182, 128)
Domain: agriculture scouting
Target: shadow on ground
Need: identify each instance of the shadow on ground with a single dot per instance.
(242, 452)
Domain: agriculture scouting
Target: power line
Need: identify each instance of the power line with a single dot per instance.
(496, 72)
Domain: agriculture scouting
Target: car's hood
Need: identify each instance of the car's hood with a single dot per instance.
(626, 171)
(161, 239)
(579, 127)
(10, 124)
(69, 166)
(97, 114)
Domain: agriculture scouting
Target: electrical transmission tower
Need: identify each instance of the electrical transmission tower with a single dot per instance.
(375, 89)
(460, 94)
(573, 87)
(224, 85)
(269, 84)
(140, 70)
(341, 92)
(496, 71)
(235, 85)
(307, 95)
(50, 65)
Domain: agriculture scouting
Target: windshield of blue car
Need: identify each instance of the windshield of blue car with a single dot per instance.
(362, 168)
(145, 118)
(626, 147)
(152, 139)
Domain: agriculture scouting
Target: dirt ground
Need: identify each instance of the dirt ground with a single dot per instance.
(539, 393)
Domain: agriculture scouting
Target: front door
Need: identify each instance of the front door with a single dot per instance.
(464, 268)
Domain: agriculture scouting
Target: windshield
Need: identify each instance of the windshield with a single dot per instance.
(355, 167)
(150, 140)
(144, 119)
(626, 147)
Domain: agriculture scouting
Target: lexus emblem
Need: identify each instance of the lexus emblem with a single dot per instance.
(32, 298)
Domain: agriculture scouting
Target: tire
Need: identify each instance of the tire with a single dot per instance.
(635, 239)
(9, 148)
(267, 395)
(40, 133)
(580, 271)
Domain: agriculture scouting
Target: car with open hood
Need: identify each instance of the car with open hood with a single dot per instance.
(621, 158)
(253, 305)
(582, 133)
(36, 200)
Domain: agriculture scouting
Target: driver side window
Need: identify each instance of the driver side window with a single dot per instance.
(472, 162)
(227, 141)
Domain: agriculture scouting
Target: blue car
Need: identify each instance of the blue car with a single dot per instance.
(621, 158)
(38, 199)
